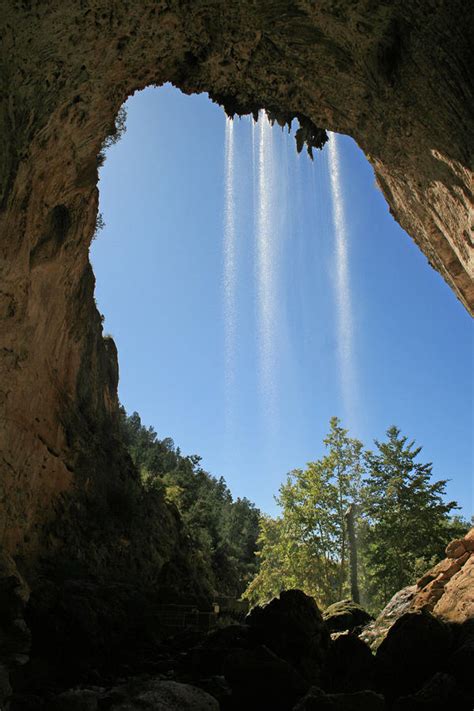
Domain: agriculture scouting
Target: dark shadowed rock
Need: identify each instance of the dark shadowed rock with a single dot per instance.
(345, 615)
(27, 702)
(416, 647)
(5, 688)
(217, 687)
(317, 700)
(208, 658)
(157, 695)
(76, 700)
(292, 626)
(261, 680)
(350, 666)
(15, 637)
(461, 662)
(440, 693)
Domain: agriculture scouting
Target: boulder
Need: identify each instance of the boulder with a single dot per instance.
(455, 549)
(415, 648)
(217, 687)
(208, 658)
(76, 700)
(468, 540)
(375, 632)
(461, 662)
(28, 702)
(293, 628)
(427, 598)
(457, 602)
(259, 679)
(158, 695)
(345, 615)
(350, 666)
(443, 570)
(317, 700)
(447, 589)
(5, 688)
(440, 693)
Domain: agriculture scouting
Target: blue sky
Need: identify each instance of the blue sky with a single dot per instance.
(160, 267)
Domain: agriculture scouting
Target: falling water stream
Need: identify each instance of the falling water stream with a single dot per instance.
(266, 268)
(275, 169)
(343, 292)
(230, 270)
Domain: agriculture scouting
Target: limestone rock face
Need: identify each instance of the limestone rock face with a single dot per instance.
(396, 76)
(448, 589)
(457, 601)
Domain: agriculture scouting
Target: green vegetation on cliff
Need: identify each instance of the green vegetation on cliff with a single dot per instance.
(223, 532)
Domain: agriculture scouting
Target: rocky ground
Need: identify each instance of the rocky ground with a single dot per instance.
(285, 656)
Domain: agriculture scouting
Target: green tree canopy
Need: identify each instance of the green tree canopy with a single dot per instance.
(403, 522)
(408, 521)
(224, 531)
(307, 546)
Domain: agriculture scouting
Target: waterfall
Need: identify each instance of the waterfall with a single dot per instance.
(279, 226)
(230, 267)
(266, 268)
(343, 294)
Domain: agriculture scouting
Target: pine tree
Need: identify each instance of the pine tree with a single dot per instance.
(406, 516)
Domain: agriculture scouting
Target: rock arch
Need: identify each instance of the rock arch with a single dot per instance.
(394, 75)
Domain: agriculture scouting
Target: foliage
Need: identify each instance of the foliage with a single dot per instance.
(287, 562)
(223, 531)
(118, 129)
(403, 522)
(307, 546)
(408, 520)
(114, 135)
(99, 225)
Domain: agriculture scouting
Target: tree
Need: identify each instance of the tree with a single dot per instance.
(285, 561)
(307, 546)
(224, 532)
(406, 517)
(346, 455)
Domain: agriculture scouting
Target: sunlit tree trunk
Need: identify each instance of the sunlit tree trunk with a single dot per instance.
(351, 536)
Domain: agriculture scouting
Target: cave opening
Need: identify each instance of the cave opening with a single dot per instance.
(160, 266)
(92, 548)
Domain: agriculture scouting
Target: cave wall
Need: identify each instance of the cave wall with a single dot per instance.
(396, 76)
